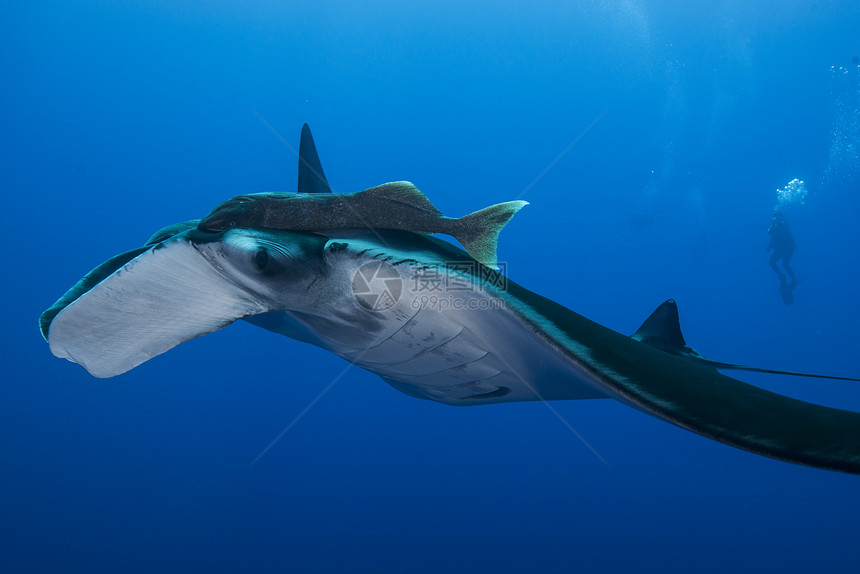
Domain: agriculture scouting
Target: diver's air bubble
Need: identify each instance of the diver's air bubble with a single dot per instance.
(793, 194)
(843, 162)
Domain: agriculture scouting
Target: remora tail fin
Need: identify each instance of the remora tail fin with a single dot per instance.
(478, 232)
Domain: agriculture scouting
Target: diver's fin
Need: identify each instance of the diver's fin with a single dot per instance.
(478, 232)
(311, 176)
(402, 192)
(662, 329)
(162, 297)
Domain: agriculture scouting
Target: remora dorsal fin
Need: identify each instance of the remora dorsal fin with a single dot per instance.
(401, 192)
(311, 176)
(662, 329)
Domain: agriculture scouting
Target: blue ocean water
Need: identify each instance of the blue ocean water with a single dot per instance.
(651, 140)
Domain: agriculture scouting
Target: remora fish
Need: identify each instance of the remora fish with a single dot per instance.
(359, 295)
(397, 205)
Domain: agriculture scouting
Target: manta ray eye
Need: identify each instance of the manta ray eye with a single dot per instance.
(261, 259)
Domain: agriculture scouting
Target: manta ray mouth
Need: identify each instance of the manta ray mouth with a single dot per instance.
(161, 298)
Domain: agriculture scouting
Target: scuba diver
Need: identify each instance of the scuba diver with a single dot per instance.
(783, 246)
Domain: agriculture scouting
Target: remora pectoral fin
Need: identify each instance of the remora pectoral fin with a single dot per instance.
(161, 298)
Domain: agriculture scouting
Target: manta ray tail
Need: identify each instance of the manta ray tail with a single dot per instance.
(692, 394)
(732, 366)
(479, 232)
(663, 330)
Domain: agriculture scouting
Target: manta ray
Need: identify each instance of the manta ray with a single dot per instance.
(432, 322)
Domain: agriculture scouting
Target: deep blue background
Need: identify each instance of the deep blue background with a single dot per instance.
(119, 118)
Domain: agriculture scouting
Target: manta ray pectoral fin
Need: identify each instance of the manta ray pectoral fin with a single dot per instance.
(311, 176)
(160, 298)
